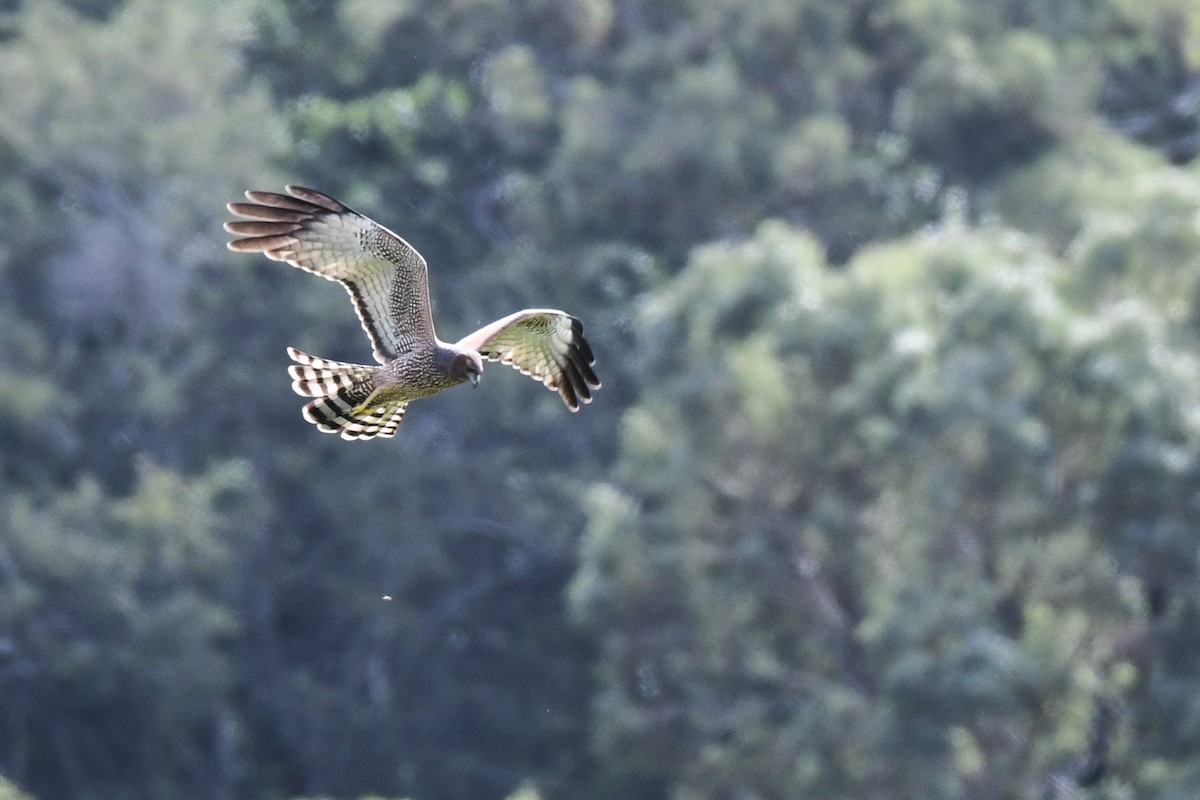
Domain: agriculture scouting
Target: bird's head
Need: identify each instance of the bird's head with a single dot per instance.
(467, 365)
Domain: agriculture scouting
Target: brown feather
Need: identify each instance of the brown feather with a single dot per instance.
(260, 244)
(276, 200)
(255, 228)
(272, 213)
(316, 198)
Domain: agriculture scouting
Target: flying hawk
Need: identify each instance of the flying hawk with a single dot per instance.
(388, 282)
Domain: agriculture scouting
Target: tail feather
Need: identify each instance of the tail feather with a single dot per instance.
(320, 377)
(341, 390)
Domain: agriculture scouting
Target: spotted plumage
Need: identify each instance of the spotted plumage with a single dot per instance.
(388, 283)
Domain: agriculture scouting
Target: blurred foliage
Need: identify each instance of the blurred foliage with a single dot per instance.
(891, 490)
(10, 792)
(919, 506)
(118, 613)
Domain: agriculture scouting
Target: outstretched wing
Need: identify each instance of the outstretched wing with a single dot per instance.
(386, 277)
(546, 345)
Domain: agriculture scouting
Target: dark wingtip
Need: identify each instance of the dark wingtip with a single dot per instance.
(260, 244)
(586, 373)
(580, 341)
(283, 201)
(260, 228)
(268, 213)
(316, 198)
(566, 390)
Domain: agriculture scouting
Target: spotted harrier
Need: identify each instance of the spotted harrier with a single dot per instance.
(388, 282)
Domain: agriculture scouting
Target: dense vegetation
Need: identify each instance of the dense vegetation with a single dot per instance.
(893, 490)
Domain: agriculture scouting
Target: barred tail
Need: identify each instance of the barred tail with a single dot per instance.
(340, 390)
(320, 377)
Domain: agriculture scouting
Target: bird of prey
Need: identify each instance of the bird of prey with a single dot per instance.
(388, 283)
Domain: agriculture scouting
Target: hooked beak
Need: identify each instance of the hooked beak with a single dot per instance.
(473, 377)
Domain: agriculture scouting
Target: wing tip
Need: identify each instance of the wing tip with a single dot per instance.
(276, 248)
(319, 199)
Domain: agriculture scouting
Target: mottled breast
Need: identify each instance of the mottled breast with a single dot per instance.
(416, 374)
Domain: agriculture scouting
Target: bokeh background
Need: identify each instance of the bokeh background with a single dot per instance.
(892, 491)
